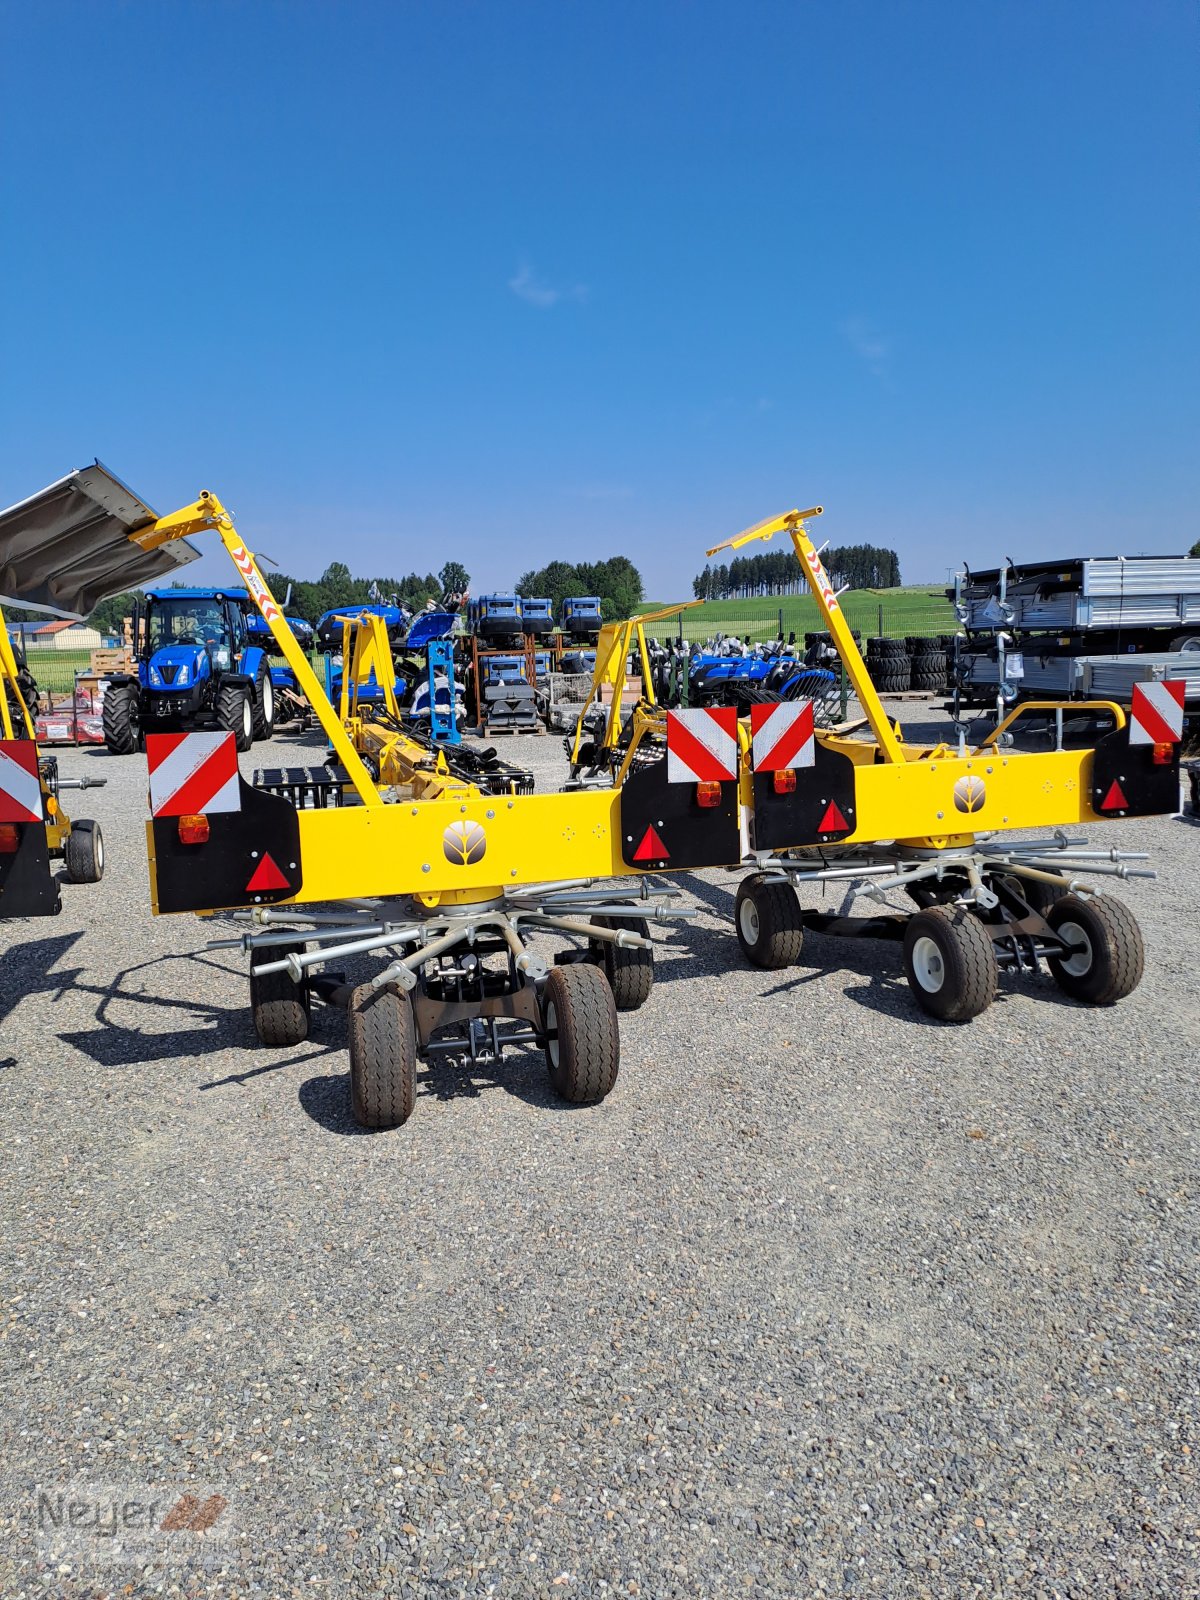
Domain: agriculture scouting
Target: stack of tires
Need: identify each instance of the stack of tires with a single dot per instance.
(928, 663)
(889, 664)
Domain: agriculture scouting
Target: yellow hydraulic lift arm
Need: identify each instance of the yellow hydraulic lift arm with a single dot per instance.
(10, 689)
(792, 522)
(208, 512)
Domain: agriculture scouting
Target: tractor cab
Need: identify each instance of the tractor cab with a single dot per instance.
(188, 635)
(197, 667)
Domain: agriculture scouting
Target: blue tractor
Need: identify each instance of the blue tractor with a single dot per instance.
(537, 616)
(196, 668)
(496, 617)
(581, 617)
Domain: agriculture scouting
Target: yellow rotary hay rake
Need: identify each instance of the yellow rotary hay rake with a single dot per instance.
(445, 865)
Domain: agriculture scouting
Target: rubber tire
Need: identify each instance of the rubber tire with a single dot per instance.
(630, 972)
(264, 693)
(383, 1057)
(236, 715)
(1186, 641)
(767, 919)
(119, 719)
(583, 1046)
(279, 1006)
(968, 960)
(83, 853)
(1118, 956)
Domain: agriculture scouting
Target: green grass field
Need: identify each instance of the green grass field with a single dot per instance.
(894, 612)
(55, 669)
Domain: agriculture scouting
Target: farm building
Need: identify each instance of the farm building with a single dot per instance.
(59, 636)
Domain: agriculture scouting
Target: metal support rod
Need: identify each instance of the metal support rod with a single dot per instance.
(408, 965)
(585, 930)
(298, 963)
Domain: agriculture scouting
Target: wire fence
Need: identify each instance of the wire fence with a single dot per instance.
(891, 616)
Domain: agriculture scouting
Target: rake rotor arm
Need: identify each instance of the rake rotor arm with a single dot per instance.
(11, 697)
(792, 522)
(208, 513)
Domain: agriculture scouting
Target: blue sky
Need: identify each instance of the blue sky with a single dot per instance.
(509, 281)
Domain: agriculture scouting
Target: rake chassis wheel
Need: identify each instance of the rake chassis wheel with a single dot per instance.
(383, 1057)
(769, 926)
(950, 963)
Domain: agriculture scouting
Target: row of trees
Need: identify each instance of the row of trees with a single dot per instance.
(777, 572)
(336, 586)
(617, 581)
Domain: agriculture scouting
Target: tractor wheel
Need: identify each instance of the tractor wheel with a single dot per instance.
(235, 714)
(583, 1049)
(383, 1057)
(769, 927)
(264, 703)
(278, 1004)
(83, 853)
(630, 972)
(950, 963)
(1108, 956)
(120, 719)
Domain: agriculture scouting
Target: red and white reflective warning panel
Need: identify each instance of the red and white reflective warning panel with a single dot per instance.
(782, 736)
(20, 786)
(192, 772)
(702, 745)
(1156, 716)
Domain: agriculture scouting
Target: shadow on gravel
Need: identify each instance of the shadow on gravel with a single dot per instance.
(522, 1073)
(714, 896)
(27, 970)
(115, 1045)
(275, 1066)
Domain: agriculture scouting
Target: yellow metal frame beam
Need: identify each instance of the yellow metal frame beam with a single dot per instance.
(208, 512)
(792, 523)
(10, 684)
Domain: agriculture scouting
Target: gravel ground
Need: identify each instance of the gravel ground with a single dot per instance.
(825, 1299)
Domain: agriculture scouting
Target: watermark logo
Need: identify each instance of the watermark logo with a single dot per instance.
(123, 1522)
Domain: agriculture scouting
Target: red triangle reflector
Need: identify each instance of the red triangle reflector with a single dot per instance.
(651, 848)
(1115, 799)
(833, 821)
(266, 876)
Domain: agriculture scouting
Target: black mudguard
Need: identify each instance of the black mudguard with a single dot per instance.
(217, 875)
(27, 886)
(1124, 772)
(821, 809)
(665, 828)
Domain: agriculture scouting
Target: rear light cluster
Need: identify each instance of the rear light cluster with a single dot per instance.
(10, 838)
(784, 781)
(193, 829)
(708, 795)
(1162, 755)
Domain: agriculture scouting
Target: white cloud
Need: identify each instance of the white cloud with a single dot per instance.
(871, 347)
(527, 286)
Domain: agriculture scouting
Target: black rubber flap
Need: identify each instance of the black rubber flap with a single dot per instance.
(665, 828)
(27, 887)
(1126, 781)
(821, 810)
(252, 857)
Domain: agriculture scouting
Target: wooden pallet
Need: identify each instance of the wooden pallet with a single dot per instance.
(111, 659)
